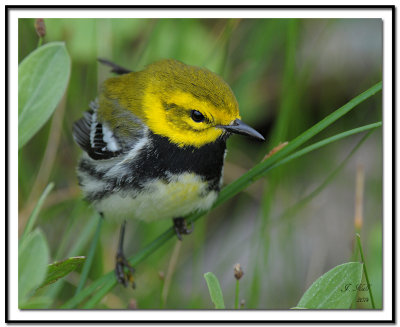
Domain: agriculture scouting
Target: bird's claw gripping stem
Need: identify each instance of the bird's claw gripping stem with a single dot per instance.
(123, 277)
(181, 228)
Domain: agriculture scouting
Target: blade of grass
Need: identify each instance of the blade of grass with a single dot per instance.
(290, 97)
(170, 272)
(289, 212)
(326, 141)
(227, 192)
(35, 213)
(237, 295)
(365, 270)
(50, 154)
(90, 256)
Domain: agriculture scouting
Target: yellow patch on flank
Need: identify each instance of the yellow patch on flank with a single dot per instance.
(184, 194)
(198, 134)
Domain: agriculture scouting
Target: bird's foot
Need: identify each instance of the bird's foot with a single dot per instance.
(124, 277)
(181, 227)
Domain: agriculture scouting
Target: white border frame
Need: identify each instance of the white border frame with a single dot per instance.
(164, 315)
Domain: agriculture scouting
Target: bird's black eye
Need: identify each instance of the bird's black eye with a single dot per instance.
(197, 116)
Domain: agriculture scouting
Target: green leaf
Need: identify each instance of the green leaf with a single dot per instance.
(60, 269)
(215, 290)
(42, 80)
(336, 289)
(33, 257)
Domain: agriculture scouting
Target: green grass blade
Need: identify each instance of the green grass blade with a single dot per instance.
(365, 270)
(90, 256)
(215, 290)
(35, 213)
(237, 295)
(326, 141)
(289, 212)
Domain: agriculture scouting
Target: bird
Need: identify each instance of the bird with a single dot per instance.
(154, 143)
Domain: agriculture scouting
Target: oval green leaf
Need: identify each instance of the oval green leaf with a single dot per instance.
(33, 258)
(215, 290)
(60, 269)
(42, 80)
(336, 289)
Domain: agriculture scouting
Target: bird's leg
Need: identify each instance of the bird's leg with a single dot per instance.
(123, 277)
(181, 227)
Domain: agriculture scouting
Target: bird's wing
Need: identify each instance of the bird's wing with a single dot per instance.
(96, 139)
(115, 68)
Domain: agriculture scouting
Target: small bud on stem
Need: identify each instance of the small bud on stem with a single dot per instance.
(161, 275)
(40, 27)
(237, 271)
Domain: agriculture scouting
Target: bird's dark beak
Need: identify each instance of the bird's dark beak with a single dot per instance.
(238, 127)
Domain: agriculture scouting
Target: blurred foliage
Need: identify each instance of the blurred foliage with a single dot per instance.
(287, 75)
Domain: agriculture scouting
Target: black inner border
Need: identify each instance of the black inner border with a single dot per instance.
(174, 7)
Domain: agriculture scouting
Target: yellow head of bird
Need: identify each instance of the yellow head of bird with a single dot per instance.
(189, 105)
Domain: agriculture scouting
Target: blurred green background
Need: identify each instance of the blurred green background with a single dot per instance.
(287, 74)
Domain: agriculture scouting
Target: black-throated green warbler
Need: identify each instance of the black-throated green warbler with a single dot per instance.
(155, 142)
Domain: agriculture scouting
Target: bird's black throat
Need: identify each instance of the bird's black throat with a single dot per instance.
(163, 157)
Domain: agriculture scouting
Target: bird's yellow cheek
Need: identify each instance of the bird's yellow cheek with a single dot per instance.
(181, 133)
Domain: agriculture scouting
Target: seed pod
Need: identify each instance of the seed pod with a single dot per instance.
(237, 271)
(40, 27)
(132, 304)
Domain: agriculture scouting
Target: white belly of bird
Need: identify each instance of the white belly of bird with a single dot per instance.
(182, 195)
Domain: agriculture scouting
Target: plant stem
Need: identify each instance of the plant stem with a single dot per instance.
(365, 269)
(89, 259)
(326, 141)
(170, 272)
(237, 295)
